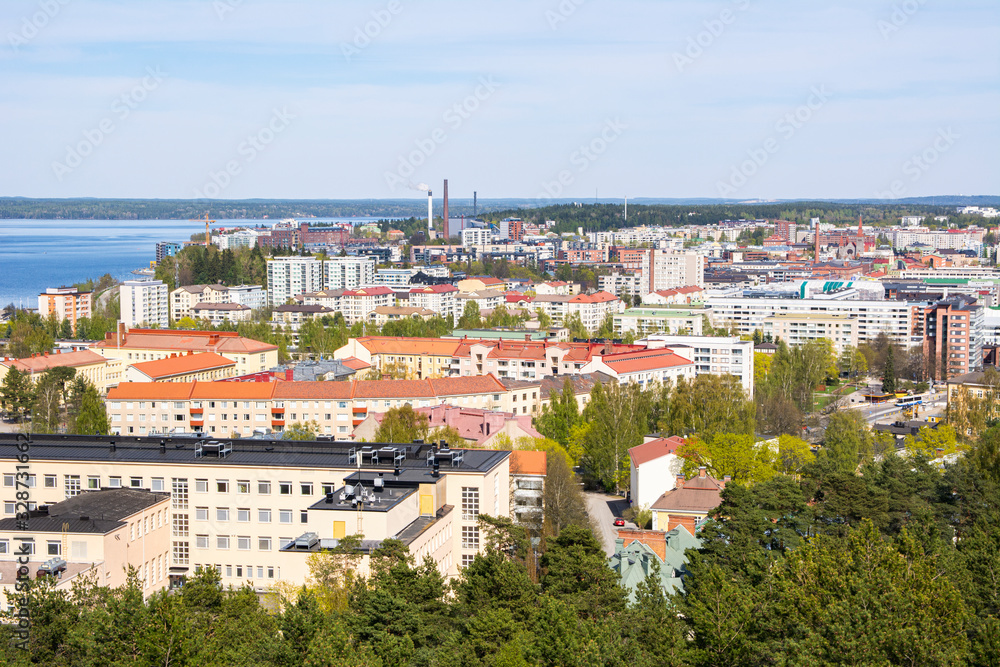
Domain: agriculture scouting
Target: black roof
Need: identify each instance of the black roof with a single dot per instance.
(244, 452)
(90, 512)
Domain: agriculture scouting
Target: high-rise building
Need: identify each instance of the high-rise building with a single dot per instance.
(348, 272)
(290, 276)
(68, 303)
(145, 303)
(953, 337)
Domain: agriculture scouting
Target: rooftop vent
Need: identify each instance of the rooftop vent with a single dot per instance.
(306, 541)
(213, 448)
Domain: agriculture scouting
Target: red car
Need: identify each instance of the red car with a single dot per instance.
(619, 521)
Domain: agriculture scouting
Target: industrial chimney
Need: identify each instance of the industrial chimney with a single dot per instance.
(444, 217)
(430, 214)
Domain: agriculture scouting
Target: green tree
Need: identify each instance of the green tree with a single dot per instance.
(575, 570)
(737, 455)
(618, 418)
(402, 424)
(16, 393)
(301, 431)
(847, 441)
(470, 318)
(91, 416)
(560, 415)
(562, 497)
(889, 373)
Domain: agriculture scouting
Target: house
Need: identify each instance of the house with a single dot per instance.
(217, 313)
(296, 315)
(91, 531)
(654, 466)
(383, 314)
(527, 485)
(689, 503)
(637, 550)
(89, 365)
(644, 367)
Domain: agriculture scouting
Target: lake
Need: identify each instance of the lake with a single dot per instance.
(37, 254)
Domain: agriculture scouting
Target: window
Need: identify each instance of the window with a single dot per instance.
(4, 547)
(53, 548)
(180, 493)
(8, 480)
(243, 514)
(264, 516)
(467, 559)
(50, 481)
(222, 514)
(303, 516)
(470, 503)
(180, 525)
(264, 488)
(222, 542)
(181, 553)
(284, 516)
(222, 486)
(157, 484)
(115, 482)
(327, 487)
(243, 543)
(470, 537)
(135, 482)
(201, 541)
(201, 486)
(307, 488)
(27, 547)
(201, 514)
(285, 488)
(93, 482)
(263, 543)
(72, 485)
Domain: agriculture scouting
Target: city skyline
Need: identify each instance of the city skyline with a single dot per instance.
(240, 99)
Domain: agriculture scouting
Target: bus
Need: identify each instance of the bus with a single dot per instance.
(909, 401)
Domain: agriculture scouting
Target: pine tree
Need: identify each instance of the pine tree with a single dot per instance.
(889, 374)
(15, 394)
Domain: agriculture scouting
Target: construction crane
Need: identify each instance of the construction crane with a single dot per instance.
(208, 234)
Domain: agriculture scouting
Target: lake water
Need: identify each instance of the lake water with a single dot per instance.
(37, 254)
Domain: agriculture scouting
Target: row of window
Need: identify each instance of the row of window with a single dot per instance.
(242, 515)
(245, 571)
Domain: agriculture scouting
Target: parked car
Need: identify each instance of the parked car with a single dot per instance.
(619, 521)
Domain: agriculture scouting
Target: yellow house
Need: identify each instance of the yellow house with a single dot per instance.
(96, 369)
(135, 345)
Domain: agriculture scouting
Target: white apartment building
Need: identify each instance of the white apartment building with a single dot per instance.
(593, 308)
(145, 303)
(183, 299)
(645, 321)
(895, 318)
(842, 330)
(712, 355)
(253, 297)
(672, 269)
(243, 238)
(955, 239)
(348, 273)
(476, 236)
(359, 304)
(439, 298)
(632, 284)
(254, 510)
(288, 277)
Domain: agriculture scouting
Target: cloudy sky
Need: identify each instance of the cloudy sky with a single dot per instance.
(513, 98)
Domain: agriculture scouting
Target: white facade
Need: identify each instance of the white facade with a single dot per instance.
(676, 269)
(145, 303)
(348, 272)
(476, 236)
(290, 276)
(252, 296)
(713, 355)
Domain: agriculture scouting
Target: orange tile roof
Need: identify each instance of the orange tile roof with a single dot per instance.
(240, 391)
(597, 297)
(313, 390)
(435, 347)
(42, 363)
(647, 360)
(654, 449)
(183, 365)
(169, 339)
(477, 384)
(156, 391)
(393, 389)
(355, 364)
(369, 291)
(527, 462)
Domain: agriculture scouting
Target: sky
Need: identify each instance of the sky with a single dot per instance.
(741, 99)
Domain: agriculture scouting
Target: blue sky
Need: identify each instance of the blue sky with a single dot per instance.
(514, 98)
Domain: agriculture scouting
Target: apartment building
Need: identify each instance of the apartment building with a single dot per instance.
(476, 236)
(235, 409)
(645, 321)
(89, 365)
(953, 333)
(288, 277)
(254, 509)
(67, 303)
(253, 297)
(348, 273)
(712, 355)
(841, 330)
(527, 360)
(439, 298)
(358, 305)
(204, 366)
(77, 532)
(185, 298)
(592, 308)
(137, 345)
(220, 313)
(144, 303)
(893, 318)
(423, 357)
(644, 367)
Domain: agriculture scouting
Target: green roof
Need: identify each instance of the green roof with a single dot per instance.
(946, 281)
(492, 334)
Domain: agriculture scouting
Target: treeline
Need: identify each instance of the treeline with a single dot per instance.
(58, 402)
(606, 217)
(198, 265)
(893, 566)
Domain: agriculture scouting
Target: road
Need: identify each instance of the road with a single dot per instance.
(889, 412)
(602, 510)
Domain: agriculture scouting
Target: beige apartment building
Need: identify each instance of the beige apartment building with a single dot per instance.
(239, 409)
(82, 530)
(135, 345)
(800, 329)
(68, 303)
(91, 366)
(254, 509)
(184, 299)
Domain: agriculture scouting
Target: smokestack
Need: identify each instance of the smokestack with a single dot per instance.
(430, 213)
(475, 204)
(444, 217)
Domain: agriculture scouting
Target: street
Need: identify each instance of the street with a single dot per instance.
(603, 509)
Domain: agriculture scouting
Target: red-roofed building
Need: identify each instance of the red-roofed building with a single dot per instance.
(439, 298)
(88, 365)
(654, 467)
(479, 427)
(135, 345)
(356, 305)
(644, 367)
(190, 367)
(689, 503)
